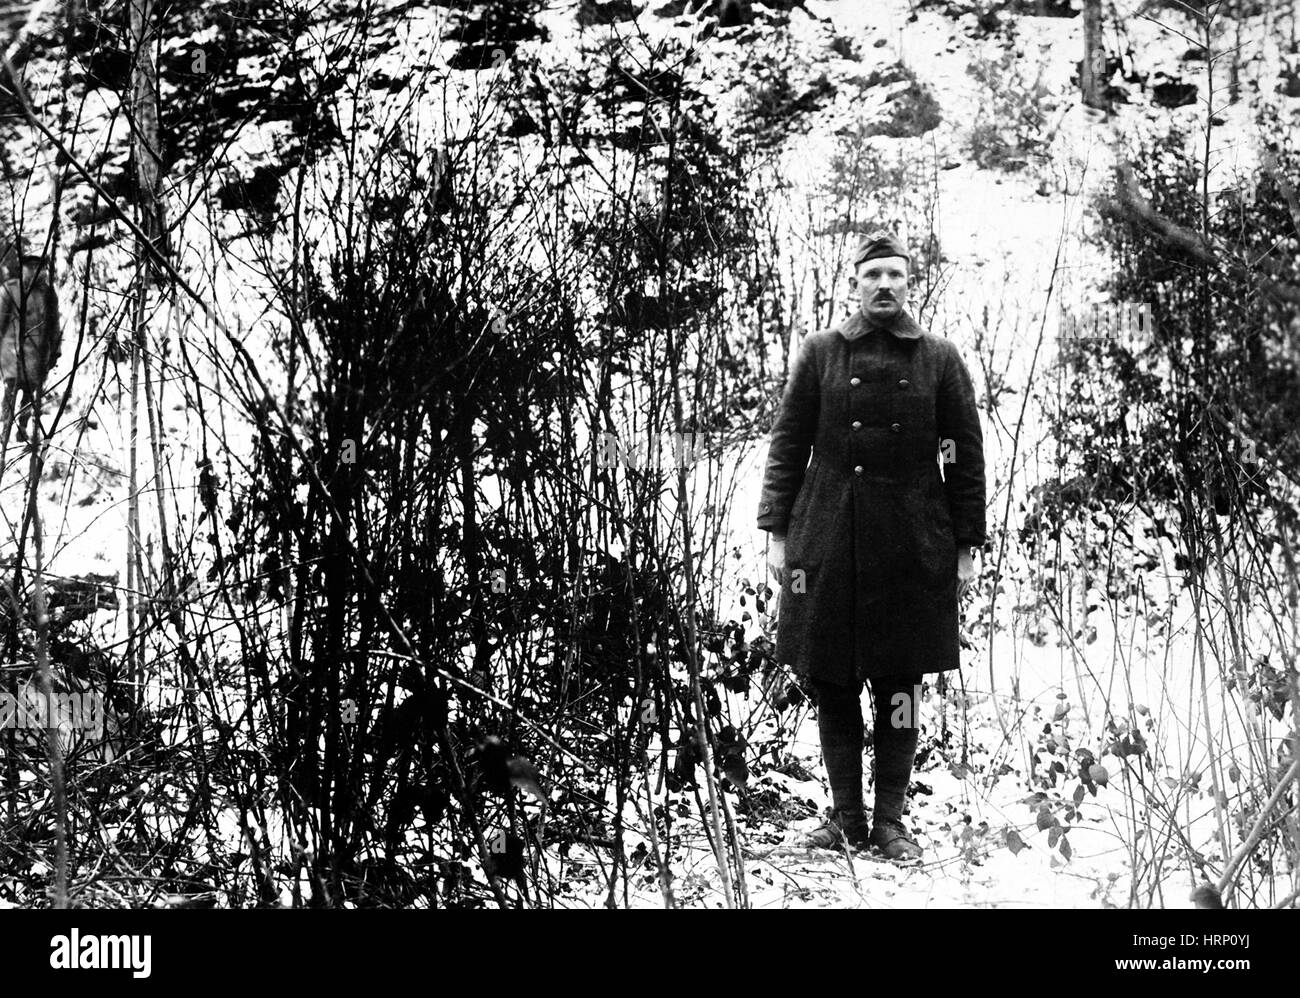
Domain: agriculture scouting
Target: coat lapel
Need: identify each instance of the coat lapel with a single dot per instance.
(904, 327)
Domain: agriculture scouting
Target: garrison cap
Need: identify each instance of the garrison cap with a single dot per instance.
(880, 242)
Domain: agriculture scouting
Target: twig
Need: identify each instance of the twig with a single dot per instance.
(1257, 831)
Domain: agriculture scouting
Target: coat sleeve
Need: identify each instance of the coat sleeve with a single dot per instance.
(793, 433)
(961, 442)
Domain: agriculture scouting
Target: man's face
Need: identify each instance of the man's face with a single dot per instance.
(882, 285)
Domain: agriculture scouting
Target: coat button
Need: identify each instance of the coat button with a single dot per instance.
(903, 383)
(857, 470)
(896, 427)
(855, 382)
(857, 424)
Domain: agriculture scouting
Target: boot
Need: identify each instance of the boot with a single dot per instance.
(841, 828)
(894, 839)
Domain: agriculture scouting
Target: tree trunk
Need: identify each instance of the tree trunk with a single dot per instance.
(1092, 75)
(145, 153)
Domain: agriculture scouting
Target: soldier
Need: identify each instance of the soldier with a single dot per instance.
(29, 339)
(872, 544)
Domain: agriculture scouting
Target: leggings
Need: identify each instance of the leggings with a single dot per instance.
(894, 738)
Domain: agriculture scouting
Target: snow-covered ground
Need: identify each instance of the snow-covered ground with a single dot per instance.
(1006, 238)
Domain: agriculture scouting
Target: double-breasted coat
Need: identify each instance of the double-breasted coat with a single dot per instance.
(872, 524)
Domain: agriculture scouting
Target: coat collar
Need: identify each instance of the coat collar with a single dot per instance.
(904, 326)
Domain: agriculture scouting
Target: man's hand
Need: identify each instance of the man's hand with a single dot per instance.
(965, 572)
(776, 557)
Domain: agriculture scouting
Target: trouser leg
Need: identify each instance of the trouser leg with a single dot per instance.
(894, 738)
(839, 726)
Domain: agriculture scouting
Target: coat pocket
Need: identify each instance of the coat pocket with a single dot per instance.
(942, 543)
(805, 493)
(796, 545)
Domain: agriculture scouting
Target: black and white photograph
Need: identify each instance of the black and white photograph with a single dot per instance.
(651, 454)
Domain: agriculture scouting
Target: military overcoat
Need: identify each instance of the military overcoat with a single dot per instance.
(874, 521)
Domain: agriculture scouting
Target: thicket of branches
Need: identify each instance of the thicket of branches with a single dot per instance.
(402, 574)
(1180, 436)
(398, 631)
